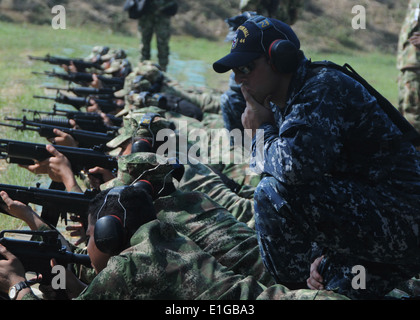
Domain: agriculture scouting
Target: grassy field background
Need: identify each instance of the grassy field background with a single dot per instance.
(190, 63)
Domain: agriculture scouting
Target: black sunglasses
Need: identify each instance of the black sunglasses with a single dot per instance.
(246, 69)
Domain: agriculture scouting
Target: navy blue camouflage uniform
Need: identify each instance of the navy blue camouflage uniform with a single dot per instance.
(338, 180)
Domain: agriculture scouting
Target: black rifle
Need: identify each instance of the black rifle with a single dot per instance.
(81, 159)
(75, 115)
(78, 63)
(36, 255)
(103, 93)
(62, 201)
(79, 102)
(85, 78)
(86, 139)
(94, 124)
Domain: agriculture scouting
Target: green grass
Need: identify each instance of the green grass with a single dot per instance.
(18, 85)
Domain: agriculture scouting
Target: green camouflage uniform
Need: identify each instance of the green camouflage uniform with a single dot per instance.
(164, 264)
(215, 229)
(227, 184)
(208, 102)
(155, 21)
(157, 81)
(284, 10)
(119, 66)
(194, 250)
(409, 65)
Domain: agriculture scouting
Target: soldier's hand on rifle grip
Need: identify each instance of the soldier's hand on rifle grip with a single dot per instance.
(96, 83)
(98, 176)
(63, 139)
(21, 211)
(59, 169)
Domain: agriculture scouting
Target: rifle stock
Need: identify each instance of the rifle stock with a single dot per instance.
(117, 121)
(81, 159)
(78, 62)
(62, 201)
(86, 139)
(83, 78)
(106, 105)
(104, 93)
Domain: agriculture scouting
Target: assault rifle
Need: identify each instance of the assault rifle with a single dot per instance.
(86, 139)
(93, 124)
(78, 63)
(76, 115)
(103, 93)
(62, 201)
(36, 255)
(85, 78)
(79, 102)
(81, 159)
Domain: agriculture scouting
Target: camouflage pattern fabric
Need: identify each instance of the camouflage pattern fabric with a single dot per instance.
(163, 264)
(198, 178)
(156, 22)
(184, 130)
(284, 10)
(344, 180)
(214, 230)
(201, 178)
(408, 56)
(409, 96)
(149, 76)
(409, 65)
(209, 219)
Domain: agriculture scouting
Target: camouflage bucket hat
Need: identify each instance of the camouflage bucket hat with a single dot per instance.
(146, 99)
(124, 133)
(133, 84)
(115, 66)
(150, 124)
(145, 166)
(150, 71)
(115, 53)
(97, 51)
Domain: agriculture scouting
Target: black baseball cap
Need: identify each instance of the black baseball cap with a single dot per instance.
(253, 39)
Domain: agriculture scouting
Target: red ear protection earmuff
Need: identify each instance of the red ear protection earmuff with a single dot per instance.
(109, 234)
(283, 53)
(109, 231)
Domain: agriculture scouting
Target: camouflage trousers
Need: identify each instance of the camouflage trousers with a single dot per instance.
(353, 223)
(409, 96)
(165, 264)
(214, 230)
(161, 26)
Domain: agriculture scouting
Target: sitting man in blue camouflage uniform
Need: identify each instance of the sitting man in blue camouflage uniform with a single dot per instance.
(339, 180)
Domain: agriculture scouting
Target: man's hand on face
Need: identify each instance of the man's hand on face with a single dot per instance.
(255, 114)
